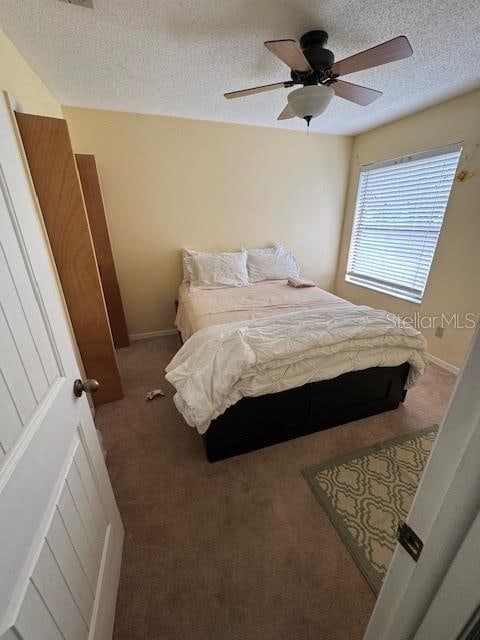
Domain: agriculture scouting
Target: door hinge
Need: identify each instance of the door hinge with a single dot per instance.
(409, 540)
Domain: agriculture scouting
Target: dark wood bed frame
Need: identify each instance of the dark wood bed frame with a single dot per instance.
(254, 423)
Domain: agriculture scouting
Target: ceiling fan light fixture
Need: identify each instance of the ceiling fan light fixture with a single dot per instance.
(310, 101)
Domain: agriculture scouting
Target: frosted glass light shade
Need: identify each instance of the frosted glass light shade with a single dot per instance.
(310, 101)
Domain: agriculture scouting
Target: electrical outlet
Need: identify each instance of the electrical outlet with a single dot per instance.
(439, 332)
(88, 4)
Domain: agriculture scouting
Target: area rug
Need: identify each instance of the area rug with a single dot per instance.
(366, 493)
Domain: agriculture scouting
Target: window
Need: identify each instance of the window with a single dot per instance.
(398, 217)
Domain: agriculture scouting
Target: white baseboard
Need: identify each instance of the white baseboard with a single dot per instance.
(152, 334)
(445, 365)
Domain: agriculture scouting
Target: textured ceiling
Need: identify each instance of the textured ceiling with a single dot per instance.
(177, 57)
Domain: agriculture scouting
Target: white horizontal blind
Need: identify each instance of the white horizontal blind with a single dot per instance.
(398, 217)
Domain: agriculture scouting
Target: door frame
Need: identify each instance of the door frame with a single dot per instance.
(445, 508)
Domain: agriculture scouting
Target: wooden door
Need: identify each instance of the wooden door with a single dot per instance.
(61, 535)
(92, 193)
(54, 173)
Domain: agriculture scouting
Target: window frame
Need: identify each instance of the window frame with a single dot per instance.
(386, 287)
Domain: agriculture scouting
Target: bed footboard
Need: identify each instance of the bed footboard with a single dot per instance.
(259, 422)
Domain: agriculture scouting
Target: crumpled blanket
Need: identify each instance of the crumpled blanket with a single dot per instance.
(221, 364)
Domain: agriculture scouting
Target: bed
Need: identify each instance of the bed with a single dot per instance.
(266, 404)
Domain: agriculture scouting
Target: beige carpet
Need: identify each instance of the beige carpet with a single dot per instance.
(366, 493)
(238, 549)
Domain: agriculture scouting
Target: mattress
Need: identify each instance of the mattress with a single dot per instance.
(206, 307)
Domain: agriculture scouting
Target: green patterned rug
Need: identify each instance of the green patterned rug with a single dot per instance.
(367, 492)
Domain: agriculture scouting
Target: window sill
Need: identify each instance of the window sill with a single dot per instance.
(379, 289)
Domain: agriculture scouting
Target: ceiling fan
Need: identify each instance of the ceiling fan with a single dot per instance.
(314, 67)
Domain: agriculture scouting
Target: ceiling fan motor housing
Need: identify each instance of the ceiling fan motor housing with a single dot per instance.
(321, 59)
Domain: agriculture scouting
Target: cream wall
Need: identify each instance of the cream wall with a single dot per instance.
(170, 183)
(18, 78)
(454, 283)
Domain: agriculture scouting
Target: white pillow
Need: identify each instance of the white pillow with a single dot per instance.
(217, 270)
(273, 263)
(187, 270)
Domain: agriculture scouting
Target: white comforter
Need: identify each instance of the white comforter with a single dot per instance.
(220, 364)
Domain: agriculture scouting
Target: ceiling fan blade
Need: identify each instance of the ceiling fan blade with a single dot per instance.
(355, 92)
(286, 113)
(389, 51)
(265, 87)
(290, 53)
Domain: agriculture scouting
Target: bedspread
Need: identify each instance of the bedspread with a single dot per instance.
(220, 364)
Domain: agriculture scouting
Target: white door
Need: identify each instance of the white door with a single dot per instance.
(434, 597)
(60, 530)
(456, 606)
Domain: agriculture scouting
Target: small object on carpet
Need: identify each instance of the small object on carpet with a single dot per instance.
(151, 395)
(367, 492)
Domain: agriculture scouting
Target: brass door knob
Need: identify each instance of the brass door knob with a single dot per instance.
(89, 386)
